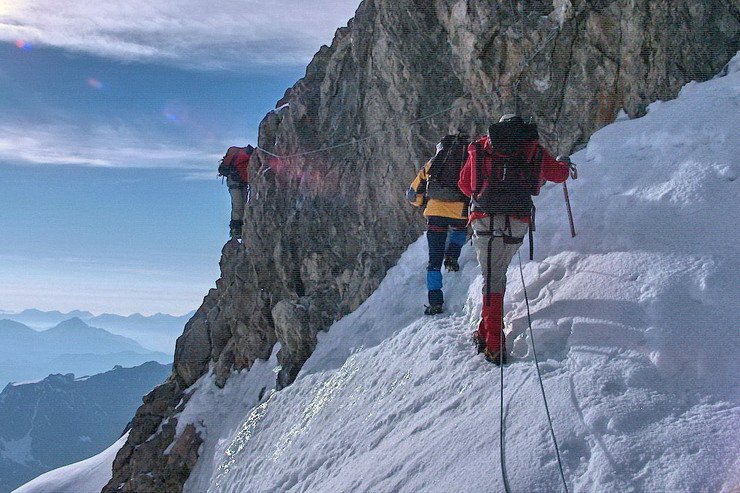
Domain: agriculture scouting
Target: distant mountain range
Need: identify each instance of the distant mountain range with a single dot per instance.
(157, 332)
(71, 346)
(62, 419)
(38, 319)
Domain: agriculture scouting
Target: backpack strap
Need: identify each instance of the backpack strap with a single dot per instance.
(508, 238)
(478, 166)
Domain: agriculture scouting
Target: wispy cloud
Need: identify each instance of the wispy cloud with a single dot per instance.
(61, 144)
(199, 175)
(224, 35)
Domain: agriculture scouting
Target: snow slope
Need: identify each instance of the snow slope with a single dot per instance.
(89, 475)
(635, 325)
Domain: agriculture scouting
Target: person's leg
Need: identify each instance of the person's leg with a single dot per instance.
(436, 238)
(455, 241)
(238, 200)
(481, 242)
(494, 256)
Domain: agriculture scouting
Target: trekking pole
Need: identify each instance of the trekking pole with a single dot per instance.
(570, 212)
(573, 175)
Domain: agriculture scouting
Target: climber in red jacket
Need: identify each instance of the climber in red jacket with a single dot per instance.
(234, 166)
(502, 172)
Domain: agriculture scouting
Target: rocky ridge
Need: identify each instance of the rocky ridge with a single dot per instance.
(323, 228)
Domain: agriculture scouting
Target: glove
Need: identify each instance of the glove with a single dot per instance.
(411, 196)
(566, 159)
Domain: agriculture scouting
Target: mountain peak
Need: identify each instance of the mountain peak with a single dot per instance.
(7, 325)
(74, 323)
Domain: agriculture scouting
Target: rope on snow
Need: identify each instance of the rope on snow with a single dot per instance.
(539, 376)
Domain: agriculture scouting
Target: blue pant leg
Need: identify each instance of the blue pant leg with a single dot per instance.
(456, 240)
(436, 240)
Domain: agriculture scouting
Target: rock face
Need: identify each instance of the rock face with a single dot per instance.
(323, 228)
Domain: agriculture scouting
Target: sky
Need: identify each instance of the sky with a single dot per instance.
(113, 117)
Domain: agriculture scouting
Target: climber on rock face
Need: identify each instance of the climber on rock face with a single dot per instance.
(234, 166)
(502, 172)
(446, 211)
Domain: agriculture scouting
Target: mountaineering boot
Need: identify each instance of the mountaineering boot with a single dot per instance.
(451, 264)
(434, 310)
(490, 328)
(435, 296)
(498, 358)
(479, 342)
(235, 227)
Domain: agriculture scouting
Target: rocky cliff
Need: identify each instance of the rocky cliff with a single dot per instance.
(323, 228)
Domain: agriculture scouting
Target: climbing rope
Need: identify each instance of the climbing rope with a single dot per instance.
(539, 376)
(504, 476)
(370, 136)
(527, 59)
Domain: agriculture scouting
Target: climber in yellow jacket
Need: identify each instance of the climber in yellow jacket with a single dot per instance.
(446, 210)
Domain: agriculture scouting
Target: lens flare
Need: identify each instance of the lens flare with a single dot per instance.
(94, 83)
(23, 45)
(176, 113)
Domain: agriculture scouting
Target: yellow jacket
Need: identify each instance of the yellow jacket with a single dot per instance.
(416, 196)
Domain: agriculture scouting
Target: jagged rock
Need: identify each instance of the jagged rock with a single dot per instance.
(193, 348)
(184, 453)
(152, 431)
(322, 229)
(296, 336)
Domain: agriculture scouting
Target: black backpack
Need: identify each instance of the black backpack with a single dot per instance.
(444, 172)
(514, 178)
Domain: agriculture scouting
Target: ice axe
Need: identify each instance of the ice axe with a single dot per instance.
(573, 175)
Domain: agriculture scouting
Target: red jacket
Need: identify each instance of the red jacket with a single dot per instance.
(238, 157)
(242, 165)
(550, 168)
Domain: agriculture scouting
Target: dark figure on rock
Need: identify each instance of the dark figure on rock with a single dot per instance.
(234, 166)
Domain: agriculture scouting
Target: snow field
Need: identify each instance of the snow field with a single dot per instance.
(89, 475)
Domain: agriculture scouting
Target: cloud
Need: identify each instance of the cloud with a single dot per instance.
(100, 146)
(199, 175)
(231, 34)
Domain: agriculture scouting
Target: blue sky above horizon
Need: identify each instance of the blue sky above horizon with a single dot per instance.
(112, 121)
